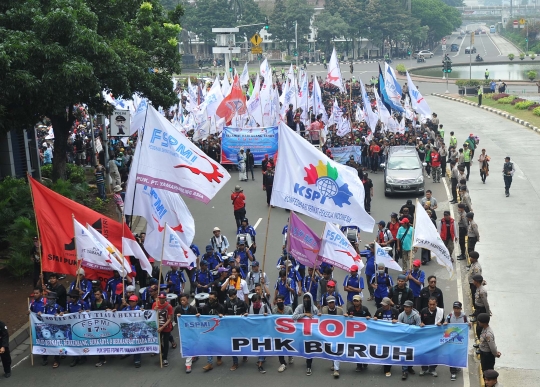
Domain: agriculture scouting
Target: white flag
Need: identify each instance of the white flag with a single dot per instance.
(244, 78)
(117, 261)
(132, 249)
(384, 114)
(254, 107)
(381, 256)
(392, 88)
(175, 251)
(168, 160)
(303, 96)
(213, 99)
(336, 249)
(92, 253)
(290, 73)
(307, 181)
(318, 105)
(334, 72)
(427, 237)
(225, 85)
(418, 102)
(265, 69)
(371, 118)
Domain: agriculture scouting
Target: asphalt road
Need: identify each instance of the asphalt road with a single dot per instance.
(219, 213)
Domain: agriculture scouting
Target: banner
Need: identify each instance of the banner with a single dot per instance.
(95, 333)
(355, 340)
(304, 244)
(175, 251)
(337, 250)
(260, 141)
(342, 154)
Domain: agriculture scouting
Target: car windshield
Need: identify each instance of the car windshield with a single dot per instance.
(403, 163)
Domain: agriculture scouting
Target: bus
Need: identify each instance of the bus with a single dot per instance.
(491, 29)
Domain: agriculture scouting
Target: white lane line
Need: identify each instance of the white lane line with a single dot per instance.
(256, 224)
(461, 297)
(497, 47)
(23, 359)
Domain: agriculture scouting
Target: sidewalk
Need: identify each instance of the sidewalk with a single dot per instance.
(507, 254)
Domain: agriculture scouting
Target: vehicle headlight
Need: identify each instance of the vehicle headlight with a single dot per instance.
(390, 180)
(420, 179)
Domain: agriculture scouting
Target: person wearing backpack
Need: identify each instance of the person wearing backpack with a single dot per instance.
(400, 293)
(456, 317)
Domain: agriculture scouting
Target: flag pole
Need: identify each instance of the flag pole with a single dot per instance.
(414, 230)
(266, 238)
(123, 258)
(30, 331)
(79, 263)
(159, 286)
(37, 228)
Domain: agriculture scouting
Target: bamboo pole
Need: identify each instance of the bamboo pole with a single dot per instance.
(79, 262)
(30, 331)
(266, 239)
(159, 286)
(37, 229)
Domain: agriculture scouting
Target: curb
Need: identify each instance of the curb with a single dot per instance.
(502, 113)
(19, 337)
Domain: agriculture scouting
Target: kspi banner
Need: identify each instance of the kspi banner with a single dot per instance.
(329, 337)
(343, 153)
(260, 141)
(95, 333)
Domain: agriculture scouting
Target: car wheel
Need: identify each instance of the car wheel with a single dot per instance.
(386, 194)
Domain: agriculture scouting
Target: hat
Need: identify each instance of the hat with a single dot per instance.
(204, 262)
(409, 201)
(209, 248)
(331, 283)
(216, 229)
(52, 296)
(330, 299)
(241, 148)
(457, 304)
(237, 188)
(478, 278)
(255, 263)
(74, 294)
(162, 295)
(483, 318)
(402, 277)
(408, 303)
(130, 288)
(231, 259)
(471, 135)
(354, 268)
(222, 270)
(386, 301)
(153, 281)
(357, 297)
(80, 271)
(393, 215)
(491, 374)
(119, 288)
(405, 221)
(117, 188)
(232, 292)
(417, 262)
(289, 264)
(507, 158)
(382, 223)
(133, 298)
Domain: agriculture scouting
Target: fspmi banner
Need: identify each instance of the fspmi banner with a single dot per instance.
(328, 337)
(95, 333)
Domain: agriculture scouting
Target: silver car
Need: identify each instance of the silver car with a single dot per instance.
(403, 171)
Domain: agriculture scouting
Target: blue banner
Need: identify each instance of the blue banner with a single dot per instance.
(95, 333)
(260, 141)
(343, 153)
(340, 338)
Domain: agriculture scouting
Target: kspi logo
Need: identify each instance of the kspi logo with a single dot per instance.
(452, 335)
(204, 325)
(327, 184)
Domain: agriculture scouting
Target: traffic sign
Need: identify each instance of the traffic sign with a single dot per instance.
(256, 50)
(443, 47)
(521, 21)
(256, 40)
(515, 23)
(443, 40)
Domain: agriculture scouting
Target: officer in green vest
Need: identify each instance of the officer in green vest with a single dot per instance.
(486, 74)
(480, 93)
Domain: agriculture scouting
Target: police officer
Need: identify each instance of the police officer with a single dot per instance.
(487, 348)
(5, 356)
(490, 378)
(508, 172)
(475, 269)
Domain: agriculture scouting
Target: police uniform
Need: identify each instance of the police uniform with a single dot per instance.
(508, 172)
(487, 347)
(475, 269)
(492, 375)
(4, 343)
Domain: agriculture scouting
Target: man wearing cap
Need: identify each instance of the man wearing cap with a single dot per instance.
(175, 280)
(246, 228)
(384, 237)
(448, 232)
(409, 316)
(255, 276)
(77, 305)
(185, 309)
(404, 242)
(463, 224)
(487, 347)
(359, 310)
(431, 315)
(410, 206)
(202, 278)
(239, 205)
(112, 284)
(53, 309)
(353, 285)
(456, 317)
(165, 316)
(381, 282)
(286, 287)
(371, 268)
(473, 235)
(219, 242)
(465, 197)
(117, 296)
(416, 279)
(508, 173)
(243, 254)
(400, 293)
(481, 304)
(333, 310)
(84, 287)
(132, 302)
(331, 291)
(281, 309)
(490, 378)
(306, 309)
(454, 175)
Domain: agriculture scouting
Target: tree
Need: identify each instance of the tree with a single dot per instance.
(439, 17)
(329, 27)
(57, 53)
(454, 3)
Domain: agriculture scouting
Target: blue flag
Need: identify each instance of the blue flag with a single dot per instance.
(390, 90)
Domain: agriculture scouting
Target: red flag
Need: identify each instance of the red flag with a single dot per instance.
(234, 103)
(53, 214)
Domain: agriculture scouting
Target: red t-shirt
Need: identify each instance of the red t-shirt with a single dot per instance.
(239, 200)
(435, 159)
(163, 312)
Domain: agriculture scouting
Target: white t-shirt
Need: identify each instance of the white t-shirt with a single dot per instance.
(243, 291)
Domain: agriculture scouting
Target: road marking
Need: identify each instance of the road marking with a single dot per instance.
(23, 359)
(497, 47)
(256, 224)
(461, 297)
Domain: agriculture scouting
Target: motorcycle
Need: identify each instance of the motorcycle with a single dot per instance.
(479, 59)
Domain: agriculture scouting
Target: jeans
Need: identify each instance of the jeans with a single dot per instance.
(164, 337)
(507, 182)
(483, 175)
(468, 167)
(250, 169)
(210, 359)
(101, 191)
(374, 163)
(430, 368)
(364, 161)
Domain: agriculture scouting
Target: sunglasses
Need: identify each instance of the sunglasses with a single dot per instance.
(432, 282)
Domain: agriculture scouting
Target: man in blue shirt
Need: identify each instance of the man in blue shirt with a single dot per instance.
(38, 303)
(203, 278)
(214, 259)
(309, 286)
(381, 282)
(49, 307)
(416, 279)
(85, 287)
(112, 284)
(175, 279)
(286, 287)
(245, 255)
(245, 228)
(331, 291)
(353, 285)
(77, 305)
(370, 270)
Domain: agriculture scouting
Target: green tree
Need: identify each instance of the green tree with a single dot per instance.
(439, 17)
(57, 53)
(454, 3)
(329, 27)
(284, 18)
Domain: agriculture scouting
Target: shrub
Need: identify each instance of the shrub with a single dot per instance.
(506, 100)
(74, 173)
(511, 56)
(496, 97)
(531, 74)
(521, 55)
(400, 68)
(524, 105)
(536, 111)
(534, 106)
(517, 100)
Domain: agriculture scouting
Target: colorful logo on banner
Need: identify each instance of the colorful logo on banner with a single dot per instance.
(326, 179)
(260, 141)
(453, 335)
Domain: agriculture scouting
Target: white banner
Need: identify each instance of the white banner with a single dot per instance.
(116, 259)
(132, 249)
(417, 100)
(120, 123)
(382, 256)
(175, 251)
(93, 254)
(336, 249)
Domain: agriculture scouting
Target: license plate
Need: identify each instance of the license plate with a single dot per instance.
(405, 187)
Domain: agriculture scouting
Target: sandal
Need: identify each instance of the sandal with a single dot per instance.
(56, 364)
(371, 298)
(174, 345)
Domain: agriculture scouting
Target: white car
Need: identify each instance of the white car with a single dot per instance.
(424, 53)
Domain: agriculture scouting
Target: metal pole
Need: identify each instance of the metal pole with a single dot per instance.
(94, 163)
(106, 152)
(296, 41)
(527, 39)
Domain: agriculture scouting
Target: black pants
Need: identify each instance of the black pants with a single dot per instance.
(428, 168)
(37, 272)
(507, 182)
(367, 202)
(479, 99)
(239, 215)
(471, 243)
(268, 194)
(473, 291)
(468, 167)
(443, 166)
(6, 361)
(477, 311)
(462, 235)
(483, 175)
(370, 288)
(487, 361)
(164, 337)
(454, 182)
(417, 303)
(308, 363)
